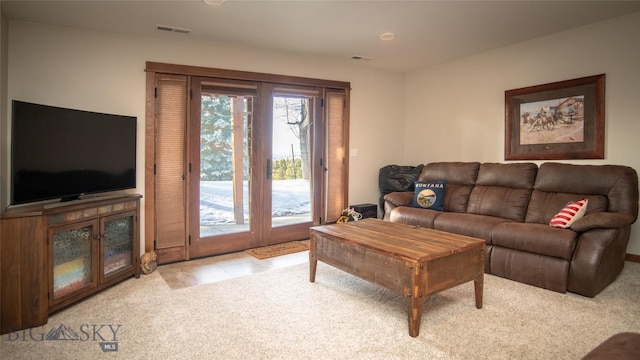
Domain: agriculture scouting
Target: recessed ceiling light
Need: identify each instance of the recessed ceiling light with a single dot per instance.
(214, 2)
(387, 36)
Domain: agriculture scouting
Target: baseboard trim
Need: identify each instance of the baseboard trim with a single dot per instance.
(633, 258)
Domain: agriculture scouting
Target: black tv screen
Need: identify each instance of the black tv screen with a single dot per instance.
(65, 153)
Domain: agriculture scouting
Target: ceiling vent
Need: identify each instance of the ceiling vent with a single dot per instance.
(172, 29)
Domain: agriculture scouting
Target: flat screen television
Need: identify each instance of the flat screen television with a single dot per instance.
(59, 153)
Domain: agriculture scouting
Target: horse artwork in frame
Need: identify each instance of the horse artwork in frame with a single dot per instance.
(556, 121)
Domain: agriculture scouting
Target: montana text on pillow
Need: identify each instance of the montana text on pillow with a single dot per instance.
(567, 216)
(429, 195)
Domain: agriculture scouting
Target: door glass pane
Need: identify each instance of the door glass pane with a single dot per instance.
(72, 260)
(118, 244)
(291, 161)
(224, 164)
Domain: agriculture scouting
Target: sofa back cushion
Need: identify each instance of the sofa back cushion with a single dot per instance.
(503, 190)
(612, 188)
(544, 205)
(460, 178)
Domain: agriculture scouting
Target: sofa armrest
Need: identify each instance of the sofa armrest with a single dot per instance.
(400, 198)
(395, 199)
(602, 220)
(597, 260)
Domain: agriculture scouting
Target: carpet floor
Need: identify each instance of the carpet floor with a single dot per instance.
(279, 314)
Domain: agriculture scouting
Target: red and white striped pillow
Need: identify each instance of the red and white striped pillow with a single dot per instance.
(567, 216)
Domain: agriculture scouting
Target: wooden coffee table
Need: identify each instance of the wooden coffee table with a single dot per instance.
(412, 261)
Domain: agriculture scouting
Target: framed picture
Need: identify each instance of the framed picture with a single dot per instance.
(560, 120)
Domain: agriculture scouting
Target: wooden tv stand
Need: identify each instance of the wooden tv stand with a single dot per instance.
(54, 256)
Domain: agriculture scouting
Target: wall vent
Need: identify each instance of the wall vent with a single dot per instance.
(172, 29)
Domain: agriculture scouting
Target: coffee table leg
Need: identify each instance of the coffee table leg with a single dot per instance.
(414, 308)
(313, 260)
(478, 283)
(478, 287)
(414, 299)
(312, 268)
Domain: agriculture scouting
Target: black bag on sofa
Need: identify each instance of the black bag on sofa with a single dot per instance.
(393, 178)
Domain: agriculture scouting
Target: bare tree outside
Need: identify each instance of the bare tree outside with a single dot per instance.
(294, 111)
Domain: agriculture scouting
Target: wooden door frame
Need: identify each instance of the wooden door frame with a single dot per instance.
(154, 68)
(299, 230)
(233, 241)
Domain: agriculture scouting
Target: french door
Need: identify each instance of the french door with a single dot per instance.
(253, 169)
(253, 146)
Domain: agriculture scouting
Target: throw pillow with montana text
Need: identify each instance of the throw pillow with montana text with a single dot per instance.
(429, 195)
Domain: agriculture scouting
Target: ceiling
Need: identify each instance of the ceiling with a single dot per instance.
(427, 32)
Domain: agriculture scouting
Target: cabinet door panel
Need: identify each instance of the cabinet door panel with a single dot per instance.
(73, 255)
(118, 239)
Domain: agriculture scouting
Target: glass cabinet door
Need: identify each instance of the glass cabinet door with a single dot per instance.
(72, 250)
(118, 238)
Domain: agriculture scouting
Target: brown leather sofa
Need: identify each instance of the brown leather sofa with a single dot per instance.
(509, 206)
(621, 346)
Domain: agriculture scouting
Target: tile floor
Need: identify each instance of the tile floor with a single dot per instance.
(223, 267)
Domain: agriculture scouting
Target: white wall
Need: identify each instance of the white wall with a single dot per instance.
(463, 98)
(104, 72)
(455, 111)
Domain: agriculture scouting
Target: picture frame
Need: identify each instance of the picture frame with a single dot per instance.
(556, 121)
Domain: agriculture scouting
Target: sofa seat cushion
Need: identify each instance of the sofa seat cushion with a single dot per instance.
(478, 226)
(414, 216)
(538, 239)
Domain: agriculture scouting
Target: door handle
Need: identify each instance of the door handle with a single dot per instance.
(268, 169)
